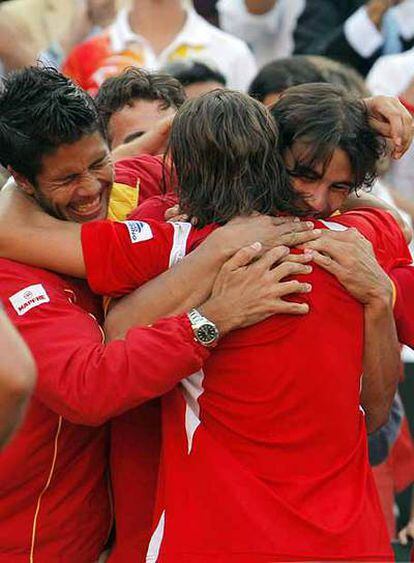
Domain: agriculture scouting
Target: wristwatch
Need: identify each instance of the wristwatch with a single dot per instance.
(205, 332)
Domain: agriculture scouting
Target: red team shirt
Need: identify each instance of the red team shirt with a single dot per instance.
(54, 492)
(403, 279)
(264, 449)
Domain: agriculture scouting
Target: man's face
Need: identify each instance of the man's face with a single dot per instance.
(134, 120)
(75, 181)
(325, 190)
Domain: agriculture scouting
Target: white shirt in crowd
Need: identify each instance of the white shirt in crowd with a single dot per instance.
(390, 76)
(197, 40)
(381, 190)
(365, 38)
(270, 35)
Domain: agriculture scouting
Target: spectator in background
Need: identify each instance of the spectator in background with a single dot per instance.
(267, 25)
(17, 47)
(356, 32)
(334, 72)
(89, 19)
(17, 50)
(207, 9)
(131, 103)
(276, 77)
(180, 33)
(394, 75)
(17, 378)
(196, 77)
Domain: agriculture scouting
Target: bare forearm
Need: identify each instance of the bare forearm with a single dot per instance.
(57, 247)
(31, 236)
(382, 364)
(258, 7)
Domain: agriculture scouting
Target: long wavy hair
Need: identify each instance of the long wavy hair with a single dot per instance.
(226, 161)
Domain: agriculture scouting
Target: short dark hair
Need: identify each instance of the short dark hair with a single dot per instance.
(224, 146)
(40, 109)
(134, 84)
(334, 72)
(276, 76)
(189, 72)
(325, 117)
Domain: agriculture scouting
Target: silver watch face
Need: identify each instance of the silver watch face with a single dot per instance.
(207, 334)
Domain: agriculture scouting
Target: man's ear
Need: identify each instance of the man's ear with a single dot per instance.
(22, 181)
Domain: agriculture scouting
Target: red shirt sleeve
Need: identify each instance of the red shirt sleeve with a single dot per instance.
(154, 208)
(121, 256)
(403, 279)
(79, 377)
(147, 173)
(382, 230)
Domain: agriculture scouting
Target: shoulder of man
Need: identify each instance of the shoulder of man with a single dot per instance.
(24, 288)
(381, 229)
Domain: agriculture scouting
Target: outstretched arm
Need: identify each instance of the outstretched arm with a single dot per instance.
(29, 235)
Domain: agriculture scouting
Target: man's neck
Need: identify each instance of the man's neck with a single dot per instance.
(158, 21)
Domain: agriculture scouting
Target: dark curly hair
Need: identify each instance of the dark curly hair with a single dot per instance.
(224, 146)
(137, 84)
(41, 109)
(324, 117)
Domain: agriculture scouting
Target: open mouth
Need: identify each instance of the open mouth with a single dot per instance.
(88, 209)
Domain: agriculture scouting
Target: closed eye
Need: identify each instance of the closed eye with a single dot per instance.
(342, 187)
(99, 163)
(305, 177)
(68, 179)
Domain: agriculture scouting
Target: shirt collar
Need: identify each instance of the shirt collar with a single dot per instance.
(121, 33)
(194, 32)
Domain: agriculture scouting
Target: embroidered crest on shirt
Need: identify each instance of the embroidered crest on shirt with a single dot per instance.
(138, 231)
(28, 298)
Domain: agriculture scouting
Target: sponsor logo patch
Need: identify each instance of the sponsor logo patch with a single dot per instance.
(138, 231)
(28, 298)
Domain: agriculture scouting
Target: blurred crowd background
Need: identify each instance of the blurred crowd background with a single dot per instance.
(259, 46)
